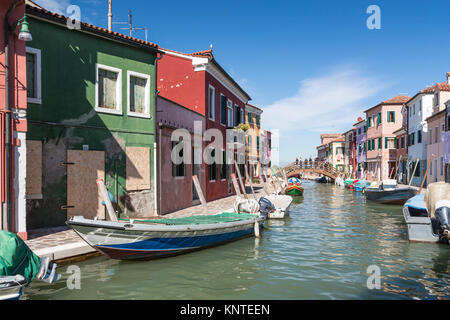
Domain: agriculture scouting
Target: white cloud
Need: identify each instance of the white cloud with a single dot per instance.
(321, 103)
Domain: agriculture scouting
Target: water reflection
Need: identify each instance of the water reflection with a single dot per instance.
(322, 251)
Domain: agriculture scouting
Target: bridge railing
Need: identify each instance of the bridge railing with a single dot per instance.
(314, 165)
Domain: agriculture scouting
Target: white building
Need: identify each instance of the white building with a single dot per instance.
(419, 108)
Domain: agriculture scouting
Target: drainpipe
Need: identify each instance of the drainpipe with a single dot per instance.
(8, 134)
(157, 175)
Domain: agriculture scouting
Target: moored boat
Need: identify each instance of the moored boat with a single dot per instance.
(360, 185)
(282, 204)
(348, 182)
(148, 239)
(322, 179)
(389, 193)
(19, 265)
(427, 216)
(294, 187)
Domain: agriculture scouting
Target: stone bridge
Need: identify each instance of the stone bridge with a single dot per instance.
(318, 168)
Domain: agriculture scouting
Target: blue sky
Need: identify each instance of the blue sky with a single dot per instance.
(312, 66)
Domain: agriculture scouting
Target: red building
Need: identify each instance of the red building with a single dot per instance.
(13, 124)
(197, 82)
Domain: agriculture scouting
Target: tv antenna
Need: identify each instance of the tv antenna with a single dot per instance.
(130, 26)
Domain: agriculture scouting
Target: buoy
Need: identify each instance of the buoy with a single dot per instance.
(257, 229)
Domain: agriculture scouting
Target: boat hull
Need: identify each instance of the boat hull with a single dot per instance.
(282, 204)
(420, 229)
(396, 196)
(144, 242)
(294, 191)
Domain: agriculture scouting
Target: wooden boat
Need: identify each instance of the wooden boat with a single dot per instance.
(388, 193)
(282, 204)
(428, 216)
(156, 238)
(294, 187)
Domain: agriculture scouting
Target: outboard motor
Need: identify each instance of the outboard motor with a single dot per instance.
(265, 206)
(442, 214)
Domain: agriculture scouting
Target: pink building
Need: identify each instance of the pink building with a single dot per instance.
(382, 121)
(13, 124)
(436, 131)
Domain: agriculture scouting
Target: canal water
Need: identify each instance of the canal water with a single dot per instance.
(323, 251)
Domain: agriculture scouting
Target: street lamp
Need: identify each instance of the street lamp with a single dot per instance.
(24, 33)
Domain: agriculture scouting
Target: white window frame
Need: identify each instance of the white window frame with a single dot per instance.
(211, 115)
(38, 98)
(230, 119)
(118, 109)
(130, 113)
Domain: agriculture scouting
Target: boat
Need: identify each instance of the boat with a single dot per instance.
(133, 239)
(322, 179)
(427, 222)
(360, 185)
(19, 266)
(348, 182)
(294, 187)
(388, 192)
(352, 186)
(282, 204)
(11, 287)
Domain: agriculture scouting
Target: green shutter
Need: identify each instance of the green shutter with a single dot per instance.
(386, 142)
(379, 143)
(393, 115)
(396, 143)
(379, 118)
(365, 129)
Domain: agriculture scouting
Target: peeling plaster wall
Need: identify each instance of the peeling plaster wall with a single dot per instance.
(66, 119)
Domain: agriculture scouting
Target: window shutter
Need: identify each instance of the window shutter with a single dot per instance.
(379, 118)
(223, 109)
(385, 142)
(393, 116)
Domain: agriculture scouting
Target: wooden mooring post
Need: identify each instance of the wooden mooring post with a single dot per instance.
(199, 192)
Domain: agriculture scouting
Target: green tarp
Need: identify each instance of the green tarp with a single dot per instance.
(206, 219)
(16, 257)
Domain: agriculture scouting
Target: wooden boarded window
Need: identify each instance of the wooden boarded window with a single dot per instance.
(34, 169)
(84, 167)
(138, 168)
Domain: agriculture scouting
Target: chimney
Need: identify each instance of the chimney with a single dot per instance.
(109, 15)
(448, 77)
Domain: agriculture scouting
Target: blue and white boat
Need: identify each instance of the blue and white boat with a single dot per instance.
(11, 287)
(429, 223)
(361, 185)
(156, 238)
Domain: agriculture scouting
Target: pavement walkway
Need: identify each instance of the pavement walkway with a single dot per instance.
(62, 243)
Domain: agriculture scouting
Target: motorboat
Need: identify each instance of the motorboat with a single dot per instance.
(388, 192)
(427, 216)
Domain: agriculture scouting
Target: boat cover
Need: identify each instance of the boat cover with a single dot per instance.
(417, 202)
(16, 257)
(203, 219)
(436, 191)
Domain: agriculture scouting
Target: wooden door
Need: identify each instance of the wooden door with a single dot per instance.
(83, 196)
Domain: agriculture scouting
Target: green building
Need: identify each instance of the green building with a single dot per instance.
(91, 115)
